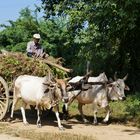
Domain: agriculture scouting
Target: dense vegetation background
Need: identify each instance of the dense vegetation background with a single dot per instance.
(106, 33)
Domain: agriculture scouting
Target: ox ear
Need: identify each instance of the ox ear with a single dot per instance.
(110, 80)
(125, 77)
(46, 90)
(127, 88)
(68, 87)
(50, 75)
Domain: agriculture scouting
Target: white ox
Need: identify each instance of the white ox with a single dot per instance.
(99, 95)
(38, 91)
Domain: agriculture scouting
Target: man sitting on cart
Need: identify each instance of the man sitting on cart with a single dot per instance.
(34, 49)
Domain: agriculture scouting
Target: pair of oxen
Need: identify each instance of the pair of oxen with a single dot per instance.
(46, 92)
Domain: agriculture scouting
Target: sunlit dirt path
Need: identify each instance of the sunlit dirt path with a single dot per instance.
(100, 132)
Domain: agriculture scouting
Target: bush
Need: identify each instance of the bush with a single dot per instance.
(129, 110)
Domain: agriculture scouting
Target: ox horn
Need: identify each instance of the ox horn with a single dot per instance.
(115, 76)
(125, 77)
(67, 79)
(50, 76)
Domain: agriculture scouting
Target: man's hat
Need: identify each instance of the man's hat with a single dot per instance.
(37, 36)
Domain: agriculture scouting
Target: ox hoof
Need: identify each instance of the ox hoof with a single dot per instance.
(61, 128)
(95, 123)
(105, 122)
(64, 121)
(10, 119)
(25, 123)
(39, 125)
(85, 121)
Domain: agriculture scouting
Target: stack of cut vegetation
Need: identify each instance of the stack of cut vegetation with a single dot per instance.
(15, 64)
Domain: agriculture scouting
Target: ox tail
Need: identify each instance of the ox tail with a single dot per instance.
(65, 111)
(88, 67)
(11, 88)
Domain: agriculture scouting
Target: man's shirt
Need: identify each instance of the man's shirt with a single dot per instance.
(34, 49)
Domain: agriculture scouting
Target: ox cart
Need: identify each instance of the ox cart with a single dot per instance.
(16, 64)
(6, 97)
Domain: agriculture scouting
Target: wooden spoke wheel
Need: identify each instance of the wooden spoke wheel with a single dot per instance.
(4, 98)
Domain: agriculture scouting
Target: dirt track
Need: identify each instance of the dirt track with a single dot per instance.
(100, 132)
(9, 137)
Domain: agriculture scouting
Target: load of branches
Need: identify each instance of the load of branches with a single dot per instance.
(13, 64)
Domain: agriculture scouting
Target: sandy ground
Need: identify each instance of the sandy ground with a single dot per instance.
(99, 132)
(9, 137)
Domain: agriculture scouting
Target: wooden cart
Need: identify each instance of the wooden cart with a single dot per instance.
(6, 95)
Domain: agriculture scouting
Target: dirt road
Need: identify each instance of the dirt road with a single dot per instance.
(100, 132)
(9, 137)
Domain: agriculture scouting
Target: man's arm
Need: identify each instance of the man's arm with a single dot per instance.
(29, 50)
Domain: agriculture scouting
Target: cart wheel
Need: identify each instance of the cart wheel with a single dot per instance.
(4, 98)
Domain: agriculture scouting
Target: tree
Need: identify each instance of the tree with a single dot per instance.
(110, 30)
(14, 37)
